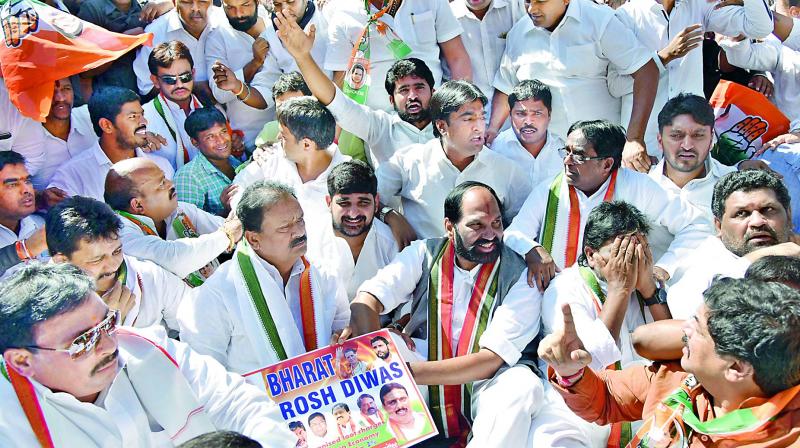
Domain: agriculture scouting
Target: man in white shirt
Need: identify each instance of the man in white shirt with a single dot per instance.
(172, 73)
(118, 119)
(306, 14)
(355, 245)
(428, 27)
(190, 22)
(177, 236)
(19, 133)
(569, 46)
(241, 69)
(258, 308)
(95, 384)
(86, 233)
(421, 176)
(447, 280)
(486, 24)
(409, 84)
(529, 142)
(751, 216)
(17, 205)
(307, 130)
(556, 211)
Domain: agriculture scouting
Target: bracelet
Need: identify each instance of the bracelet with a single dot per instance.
(22, 251)
(570, 380)
(240, 90)
(246, 96)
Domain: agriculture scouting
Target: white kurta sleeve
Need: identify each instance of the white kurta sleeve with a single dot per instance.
(142, 71)
(754, 19)
(390, 181)
(506, 77)
(360, 120)
(251, 174)
(753, 56)
(172, 292)
(521, 235)
(447, 25)
(339, 48)
(518, 191)
(65, 180)
(215, 51)
(793, 40)
(515, 322)
(205, 323)
(622, 48)
(337, 293)
(393, 284)
(203, 221)
(229, 401)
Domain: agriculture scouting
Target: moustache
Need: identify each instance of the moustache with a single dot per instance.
(140, 128)
(298, 241)
(480, 241)
(528, 128)
(105, 362)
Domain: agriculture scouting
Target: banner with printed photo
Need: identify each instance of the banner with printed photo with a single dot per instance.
(359, 394)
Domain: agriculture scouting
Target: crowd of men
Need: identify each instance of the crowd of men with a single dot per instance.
(530, 195)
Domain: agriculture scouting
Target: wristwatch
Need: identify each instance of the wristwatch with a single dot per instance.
(384, 211)
(659, 297)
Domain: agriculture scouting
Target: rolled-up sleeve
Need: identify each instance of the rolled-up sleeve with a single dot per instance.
(515, 322)
(620, 46)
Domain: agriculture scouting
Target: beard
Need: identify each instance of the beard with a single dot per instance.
(243, 23)
(339, 227)
(422, 115)
(472, 254)
(744, 246)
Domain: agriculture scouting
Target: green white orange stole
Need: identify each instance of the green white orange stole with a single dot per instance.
(674, 419)
(360, 58)
(450, 405)
(156, 379)
(274, 316)
(558, 223)
(184, 228)
(181, 153)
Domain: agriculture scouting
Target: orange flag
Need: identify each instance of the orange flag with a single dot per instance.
(42, 44)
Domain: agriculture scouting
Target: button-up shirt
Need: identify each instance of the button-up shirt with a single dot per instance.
(485, 39)
(27, 227)
(156, 123)
(383, 132)
(573, 61)
(421, 24)
(201, 183)
(85, 174)
(421, 176)
(540, 168)
(56, 152)
(21, 134)
(169, 27)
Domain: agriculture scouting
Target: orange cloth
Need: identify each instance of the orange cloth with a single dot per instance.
(632, 394)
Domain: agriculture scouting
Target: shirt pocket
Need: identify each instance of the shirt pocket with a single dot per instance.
(582, 61)
(424, 25)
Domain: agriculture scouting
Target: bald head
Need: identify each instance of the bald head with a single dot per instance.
(133, 185)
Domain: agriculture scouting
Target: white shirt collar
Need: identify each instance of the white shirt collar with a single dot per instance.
(273, 272)
(460, 8)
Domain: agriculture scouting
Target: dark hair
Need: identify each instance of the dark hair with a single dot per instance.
(257, 199)
(776, 268)
(363, 396)
(166, 53)
(119, 189)
(296, 424)
(607, 138)
(450, 97)
(757, 322)
(11, 158)
(452, 203)
(77, 218)
(36, 293)
(306, 117)
(352, 176)
(106, 102)
(351, 348)
(531, 89)
(340, 406)
(746, 181)
(608, 221)
(290, 82)
(686, 104)
(201, 120)
(387, 388)
(407, 67)
(378, 338)
(315, 415)
(220, 439)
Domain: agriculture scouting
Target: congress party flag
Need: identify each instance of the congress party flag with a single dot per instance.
(357, 395)
(42, 44)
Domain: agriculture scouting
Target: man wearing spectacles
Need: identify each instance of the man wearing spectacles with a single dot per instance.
(72, 378)
(548, 230)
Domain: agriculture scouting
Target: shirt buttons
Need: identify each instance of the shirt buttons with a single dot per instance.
(704, 438)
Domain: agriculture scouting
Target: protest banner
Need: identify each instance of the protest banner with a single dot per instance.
(359, 394)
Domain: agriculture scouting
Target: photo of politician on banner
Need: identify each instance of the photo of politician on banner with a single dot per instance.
(358, 394)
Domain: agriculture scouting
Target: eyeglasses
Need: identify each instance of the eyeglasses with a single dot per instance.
(86, 342)
(173, 79)
(577, 159)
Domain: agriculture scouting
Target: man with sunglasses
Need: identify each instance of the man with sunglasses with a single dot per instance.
(548, 230)
(72, 378)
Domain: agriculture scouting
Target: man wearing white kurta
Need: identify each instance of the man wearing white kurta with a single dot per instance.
(250, 313)
(528, 141)
(421, 176)
(662, 26)
(20, 133)
(113, 387)
(751, 216)
(355, 244)
(119, 122)
(544, 228)
(175, 235)
(470, 269)
(85, 233)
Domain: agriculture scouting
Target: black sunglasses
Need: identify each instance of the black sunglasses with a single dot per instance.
(173, 79)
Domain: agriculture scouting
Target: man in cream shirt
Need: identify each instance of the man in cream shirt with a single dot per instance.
(421, 176)
(250, 313)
